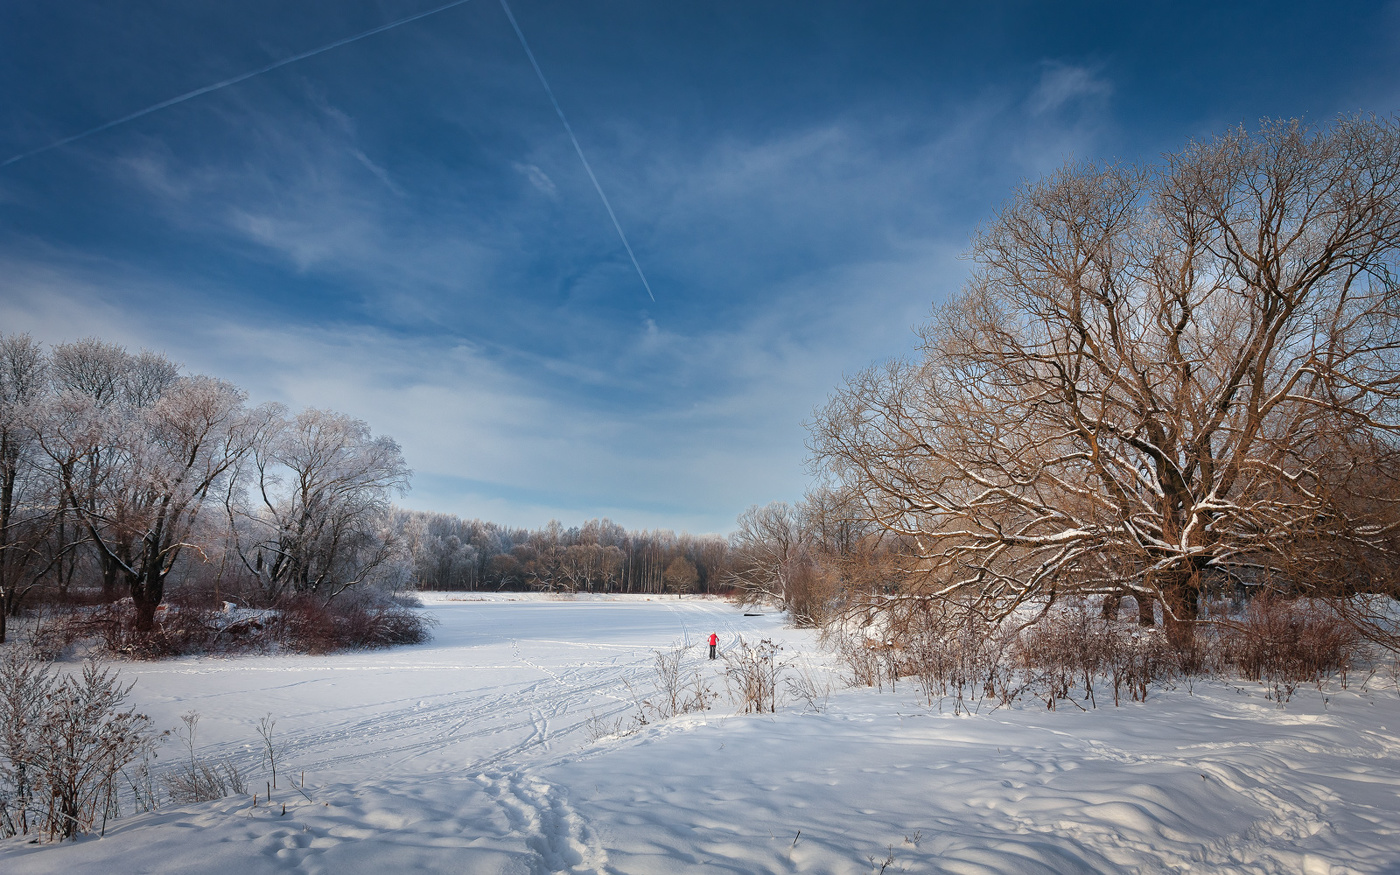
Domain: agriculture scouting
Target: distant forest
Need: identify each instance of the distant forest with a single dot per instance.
(445, 552)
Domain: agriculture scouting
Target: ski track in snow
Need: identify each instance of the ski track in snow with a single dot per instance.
(472, 754)
(409, 728)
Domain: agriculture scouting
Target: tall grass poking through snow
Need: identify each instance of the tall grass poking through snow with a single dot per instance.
(678, 689)
(198, 779)
(756, 678)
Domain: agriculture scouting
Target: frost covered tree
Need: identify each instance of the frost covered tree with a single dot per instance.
(23, 384)
(1156, 377)
(589, 566)
(101, 381)
(314, 519)
(137, 474)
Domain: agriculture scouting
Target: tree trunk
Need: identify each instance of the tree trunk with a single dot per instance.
(62, 578)
(147, 592)
(1182, 597)
(111, 585)
(5, 598)
(1147, 611)
(145, 618)
(7, 496)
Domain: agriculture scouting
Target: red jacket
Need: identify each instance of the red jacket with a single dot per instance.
(714, 639)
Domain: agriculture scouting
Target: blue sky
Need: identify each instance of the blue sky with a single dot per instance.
(400, 229)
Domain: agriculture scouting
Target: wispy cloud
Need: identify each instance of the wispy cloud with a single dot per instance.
(401, 229)
(1064, 85)
(1067, 114)
(538, 178)
(717, 425)
(492, 327)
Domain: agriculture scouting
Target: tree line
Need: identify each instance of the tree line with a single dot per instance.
(120, 472)
(450, 553)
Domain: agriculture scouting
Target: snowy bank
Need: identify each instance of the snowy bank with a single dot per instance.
(472, 753)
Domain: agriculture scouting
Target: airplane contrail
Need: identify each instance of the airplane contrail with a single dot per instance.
(266, 68)
(577, 148)
(227, 82)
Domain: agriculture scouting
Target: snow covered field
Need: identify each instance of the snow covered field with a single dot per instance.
(472, 753)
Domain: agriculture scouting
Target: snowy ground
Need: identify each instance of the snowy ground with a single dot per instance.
(472, 754)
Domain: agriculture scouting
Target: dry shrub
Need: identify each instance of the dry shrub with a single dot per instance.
(1073, 648)
(1141, 658)
(303, 624)
(66, 738)
(1286, 641)
(1071, 651)
(1065, 649)
(869, 643)
(862, 658)
(176, 632)
(59, 630)
(947, 650)
(752, 673)
(958, 653)
(313, 625)
(1068, 653)
(676, 690)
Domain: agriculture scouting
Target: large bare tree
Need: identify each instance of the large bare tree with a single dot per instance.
(1156, 376)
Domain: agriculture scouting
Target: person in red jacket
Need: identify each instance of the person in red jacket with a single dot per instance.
(714, 642)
